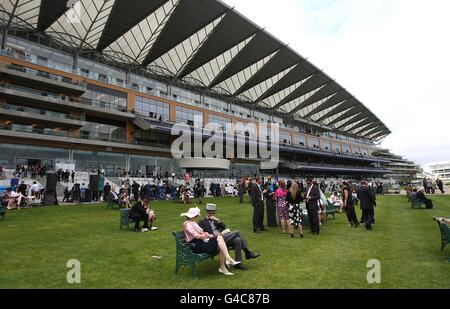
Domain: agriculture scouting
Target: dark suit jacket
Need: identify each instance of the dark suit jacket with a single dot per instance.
(206, 227)
(256, 196)
(315, 197)
(366, 197)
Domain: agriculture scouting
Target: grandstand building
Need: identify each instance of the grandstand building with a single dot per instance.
(401, 168)
(100, 84)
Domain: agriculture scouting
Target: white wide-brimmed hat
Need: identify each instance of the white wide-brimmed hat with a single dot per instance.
(192, 213)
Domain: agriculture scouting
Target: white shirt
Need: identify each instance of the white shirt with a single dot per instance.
(309, 191)
(35, 188)
(262, 195)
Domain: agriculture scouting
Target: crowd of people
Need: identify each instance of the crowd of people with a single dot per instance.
(429, 187)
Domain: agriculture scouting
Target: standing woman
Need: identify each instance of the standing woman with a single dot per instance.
(294, 198)
(282, 205)
(349, 205)
(206, 243)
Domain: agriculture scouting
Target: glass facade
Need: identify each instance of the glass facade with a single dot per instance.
(103, 130)
(337, 148)
(285, 138)
(299, 140)
(12, 154)
(92, 160)
(219, 120)
(326, 146)
(109, 98)
(346, 149)
(186, 115)
(314, 142)
(152, 108)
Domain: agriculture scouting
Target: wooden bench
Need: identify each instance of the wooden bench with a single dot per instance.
(125, 218)
(444, 228)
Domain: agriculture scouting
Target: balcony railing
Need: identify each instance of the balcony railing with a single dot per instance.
(47, 75)
(61, 133)
(105, 105)
(41, 112)
(85, 101)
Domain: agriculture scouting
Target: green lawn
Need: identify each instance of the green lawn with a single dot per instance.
(37, 243)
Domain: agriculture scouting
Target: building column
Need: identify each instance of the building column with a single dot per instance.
(4, 38)
(131, 101)
(173, 112)
(130, 132)
(128, 162)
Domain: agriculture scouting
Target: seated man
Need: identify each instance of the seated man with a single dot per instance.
(234, 239)
(113, 197)
(139, 213)
(420, 196)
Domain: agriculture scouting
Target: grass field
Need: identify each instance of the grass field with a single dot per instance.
(37, 243)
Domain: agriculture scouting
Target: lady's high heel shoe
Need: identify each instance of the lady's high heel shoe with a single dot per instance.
(232, 263)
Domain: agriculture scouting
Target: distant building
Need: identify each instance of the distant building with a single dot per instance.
(400, 167)
(441, 171)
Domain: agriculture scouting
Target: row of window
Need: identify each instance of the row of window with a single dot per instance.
(152, 109)
(45, 56)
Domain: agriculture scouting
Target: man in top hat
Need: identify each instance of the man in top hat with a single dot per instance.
(234, 239)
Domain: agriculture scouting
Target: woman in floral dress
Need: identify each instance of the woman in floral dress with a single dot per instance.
(282, 205)
(294, 198)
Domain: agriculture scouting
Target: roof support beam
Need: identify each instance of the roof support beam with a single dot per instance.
(315, 82)
(352, 112)
(302, 71)
(330, 89)
(361, 116)
(373, 131)
(339, 98)
(349, 103)
(379, 135)
(375, 124)
(216, 79)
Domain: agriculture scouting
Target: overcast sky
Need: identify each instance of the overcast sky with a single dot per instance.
(393, 55)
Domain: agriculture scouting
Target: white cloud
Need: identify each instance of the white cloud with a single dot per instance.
(393, 55)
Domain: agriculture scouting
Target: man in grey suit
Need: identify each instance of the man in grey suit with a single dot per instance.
(312, 198)
(234, 239)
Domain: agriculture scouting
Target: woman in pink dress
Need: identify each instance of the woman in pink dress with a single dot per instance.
(282, 205)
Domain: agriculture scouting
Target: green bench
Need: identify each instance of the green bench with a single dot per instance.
(2, 212)
(330, 210)
(444, 228)
(415, 203)
(125, 218)
(185, 255)
(110, 204)
(305, 219)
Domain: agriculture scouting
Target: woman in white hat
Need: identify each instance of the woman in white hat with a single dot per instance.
(206, 243)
